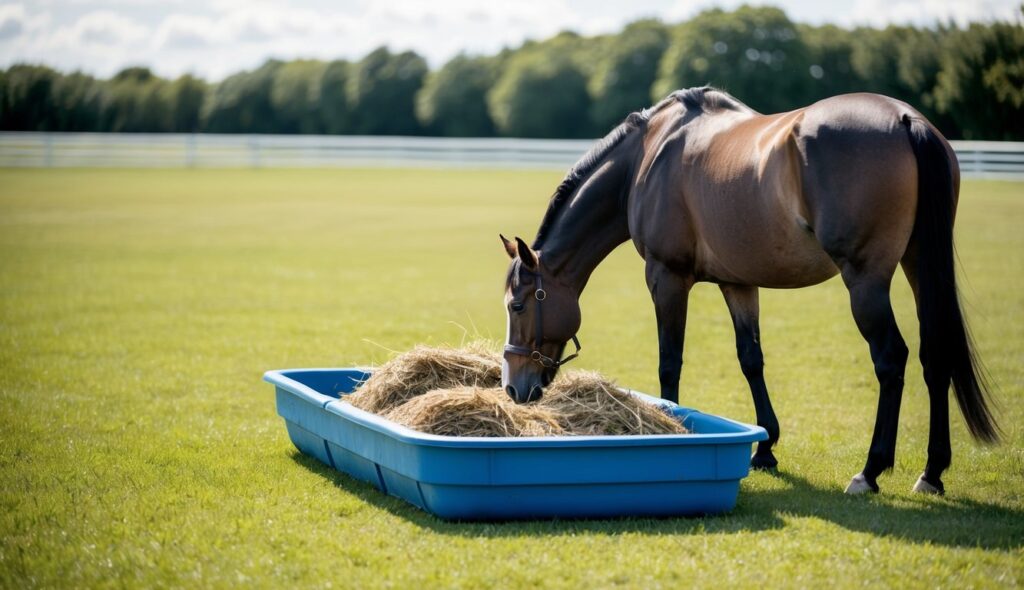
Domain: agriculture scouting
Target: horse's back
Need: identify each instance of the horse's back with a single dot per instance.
(779, 200)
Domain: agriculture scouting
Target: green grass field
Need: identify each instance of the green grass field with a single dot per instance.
(139, 447)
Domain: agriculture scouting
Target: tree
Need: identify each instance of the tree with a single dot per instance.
(184, 98)
(295, 96)
(981, 81)
(829, 52)
(135, 101)
(382, 91)
(28, 101)
(453, 101)
(541, 95)
(626, 71)
(242, 104)
(335, 110)
(754, 53)
(78, 101)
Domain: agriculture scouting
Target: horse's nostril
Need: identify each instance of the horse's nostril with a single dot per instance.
(511, 391)
(535, 393)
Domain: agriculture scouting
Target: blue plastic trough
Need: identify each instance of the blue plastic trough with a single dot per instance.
(476, 478)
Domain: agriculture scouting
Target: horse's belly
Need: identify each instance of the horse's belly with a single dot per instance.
(781, 257)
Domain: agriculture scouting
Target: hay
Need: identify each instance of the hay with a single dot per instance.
(456, 393)
(587, 403)
(473, 411)
(425, 369)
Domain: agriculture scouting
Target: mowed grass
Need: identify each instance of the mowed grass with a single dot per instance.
(139, 447)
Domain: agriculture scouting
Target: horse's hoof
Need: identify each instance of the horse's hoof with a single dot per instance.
(763, 462)
(860, 485)
(923, 486)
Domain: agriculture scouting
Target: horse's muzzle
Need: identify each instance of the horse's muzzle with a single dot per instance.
(533, 394)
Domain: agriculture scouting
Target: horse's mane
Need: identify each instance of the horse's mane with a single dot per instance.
(705, 98)
(582, 169)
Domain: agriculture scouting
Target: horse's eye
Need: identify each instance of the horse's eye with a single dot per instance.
(516, 306)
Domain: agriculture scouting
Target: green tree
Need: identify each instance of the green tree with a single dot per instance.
(830, 52)
(295, 96)
(541, 96)
(79, 100)
(453, 100)
(135, 101)
(626, 71)
(981, 81)
(184, 98)
(335, 110)
(901, 62)
(754, 53)
(241, 103)
(382, 91)
(28, 102)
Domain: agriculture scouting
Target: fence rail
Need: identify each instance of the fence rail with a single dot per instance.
(987, 159)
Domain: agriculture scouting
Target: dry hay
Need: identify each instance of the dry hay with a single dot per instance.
(587, 403)
(456, 392)
(474, 411)
(425, 369)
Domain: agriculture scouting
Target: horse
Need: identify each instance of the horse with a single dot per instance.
(710, 190)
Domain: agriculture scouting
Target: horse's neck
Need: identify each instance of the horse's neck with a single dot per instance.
(590, 226)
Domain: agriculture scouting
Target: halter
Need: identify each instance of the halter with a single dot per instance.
(538, 337)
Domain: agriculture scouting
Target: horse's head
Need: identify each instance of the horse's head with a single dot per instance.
(543, 316)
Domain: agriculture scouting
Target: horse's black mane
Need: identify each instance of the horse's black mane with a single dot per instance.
(706, 98)
(582, 168)
(701, 98)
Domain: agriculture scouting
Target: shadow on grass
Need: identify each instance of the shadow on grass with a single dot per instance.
(940, 521)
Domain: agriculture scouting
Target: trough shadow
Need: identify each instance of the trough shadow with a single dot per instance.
(939, 521)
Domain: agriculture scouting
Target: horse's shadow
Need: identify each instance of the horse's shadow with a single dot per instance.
(949, 522)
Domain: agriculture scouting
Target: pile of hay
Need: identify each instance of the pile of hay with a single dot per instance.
(587, 403)
(425, 369)
(473, 411)
(456, 392)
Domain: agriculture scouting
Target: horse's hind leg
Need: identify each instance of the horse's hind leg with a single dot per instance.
(939, 451)
(743, 306)
(872, 310)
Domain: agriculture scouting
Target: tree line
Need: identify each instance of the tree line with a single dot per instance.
(968, 80)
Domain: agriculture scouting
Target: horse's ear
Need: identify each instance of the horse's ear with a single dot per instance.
(528, 256)
(510, 246)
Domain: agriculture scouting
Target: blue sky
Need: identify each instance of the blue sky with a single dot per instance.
(213, 38)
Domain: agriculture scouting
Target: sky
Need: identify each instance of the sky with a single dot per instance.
(214, 38)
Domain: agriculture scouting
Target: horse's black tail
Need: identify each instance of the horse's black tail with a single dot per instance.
(947, 349)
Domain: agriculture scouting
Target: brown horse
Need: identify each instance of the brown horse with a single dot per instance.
(710, 190)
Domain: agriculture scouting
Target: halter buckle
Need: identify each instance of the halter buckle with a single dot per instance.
(540, 294)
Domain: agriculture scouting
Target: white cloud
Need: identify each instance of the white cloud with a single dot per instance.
(16, 22)
(183, 31)
(102, 28)
(214, 38)
(12, 21)
(879, 13)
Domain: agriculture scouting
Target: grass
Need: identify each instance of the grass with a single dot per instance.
(138, 446)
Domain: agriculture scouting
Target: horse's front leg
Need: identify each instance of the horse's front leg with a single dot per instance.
(670, 291)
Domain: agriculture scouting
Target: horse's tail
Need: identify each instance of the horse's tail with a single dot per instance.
(947, 349)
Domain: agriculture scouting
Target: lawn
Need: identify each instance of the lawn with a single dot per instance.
(139, 447)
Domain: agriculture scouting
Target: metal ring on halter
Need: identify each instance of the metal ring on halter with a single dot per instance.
(540, 294)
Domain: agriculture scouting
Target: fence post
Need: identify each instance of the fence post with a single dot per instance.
(48, 150)
(190, 150)
(254, 152)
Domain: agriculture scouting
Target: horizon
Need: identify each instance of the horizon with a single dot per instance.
(212, 40)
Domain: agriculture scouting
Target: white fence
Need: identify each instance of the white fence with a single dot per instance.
(977, 158)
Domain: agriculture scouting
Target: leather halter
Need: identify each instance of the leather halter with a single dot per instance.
(538, 334)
